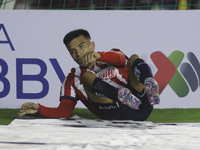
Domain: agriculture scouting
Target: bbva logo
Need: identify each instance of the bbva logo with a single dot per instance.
(168, 73)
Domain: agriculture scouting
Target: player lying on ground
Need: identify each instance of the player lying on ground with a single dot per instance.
(109, 84)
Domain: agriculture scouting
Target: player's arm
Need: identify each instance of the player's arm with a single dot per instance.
(115, 57)
(64, 109)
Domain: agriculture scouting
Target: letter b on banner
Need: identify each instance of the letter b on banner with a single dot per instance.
(6, 84)
(39, 77)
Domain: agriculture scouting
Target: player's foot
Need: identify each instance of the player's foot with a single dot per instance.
(152, 90)
(126, 97)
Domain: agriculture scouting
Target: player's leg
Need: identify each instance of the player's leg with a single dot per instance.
(98, 90)
(88, 79)
(140, 77)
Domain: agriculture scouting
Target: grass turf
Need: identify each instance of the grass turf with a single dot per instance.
(157, 116)
(175, 115)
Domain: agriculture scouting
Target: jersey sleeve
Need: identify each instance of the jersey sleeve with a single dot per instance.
(64, 109)
(114, 57)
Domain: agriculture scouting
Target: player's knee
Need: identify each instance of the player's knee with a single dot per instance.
(88, 76)
(132, 59)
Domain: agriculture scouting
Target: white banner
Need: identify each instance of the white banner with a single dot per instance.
(34, 60)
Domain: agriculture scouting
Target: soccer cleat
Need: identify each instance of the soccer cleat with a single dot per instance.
(152, 90)
(126, 97)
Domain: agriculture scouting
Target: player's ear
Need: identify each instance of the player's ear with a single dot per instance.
(93, 45)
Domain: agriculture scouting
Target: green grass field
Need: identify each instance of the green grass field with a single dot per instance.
(157, 116)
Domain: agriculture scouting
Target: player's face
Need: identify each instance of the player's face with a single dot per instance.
(78, 47)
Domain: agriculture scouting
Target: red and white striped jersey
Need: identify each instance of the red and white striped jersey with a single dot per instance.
(111, 67)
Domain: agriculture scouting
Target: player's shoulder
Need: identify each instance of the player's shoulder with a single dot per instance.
(116, 49)
(113, 49)
(74, 70)
(119, 50)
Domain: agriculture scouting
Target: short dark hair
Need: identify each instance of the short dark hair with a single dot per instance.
(74, 34)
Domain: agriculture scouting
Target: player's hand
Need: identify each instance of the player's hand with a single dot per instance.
(28, 108)
(90, 58)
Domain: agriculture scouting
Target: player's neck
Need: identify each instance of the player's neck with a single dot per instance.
(89, 66)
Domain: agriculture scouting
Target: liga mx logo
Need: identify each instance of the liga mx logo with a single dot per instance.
(168, 73)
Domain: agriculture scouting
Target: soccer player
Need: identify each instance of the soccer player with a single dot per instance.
(111, 85)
